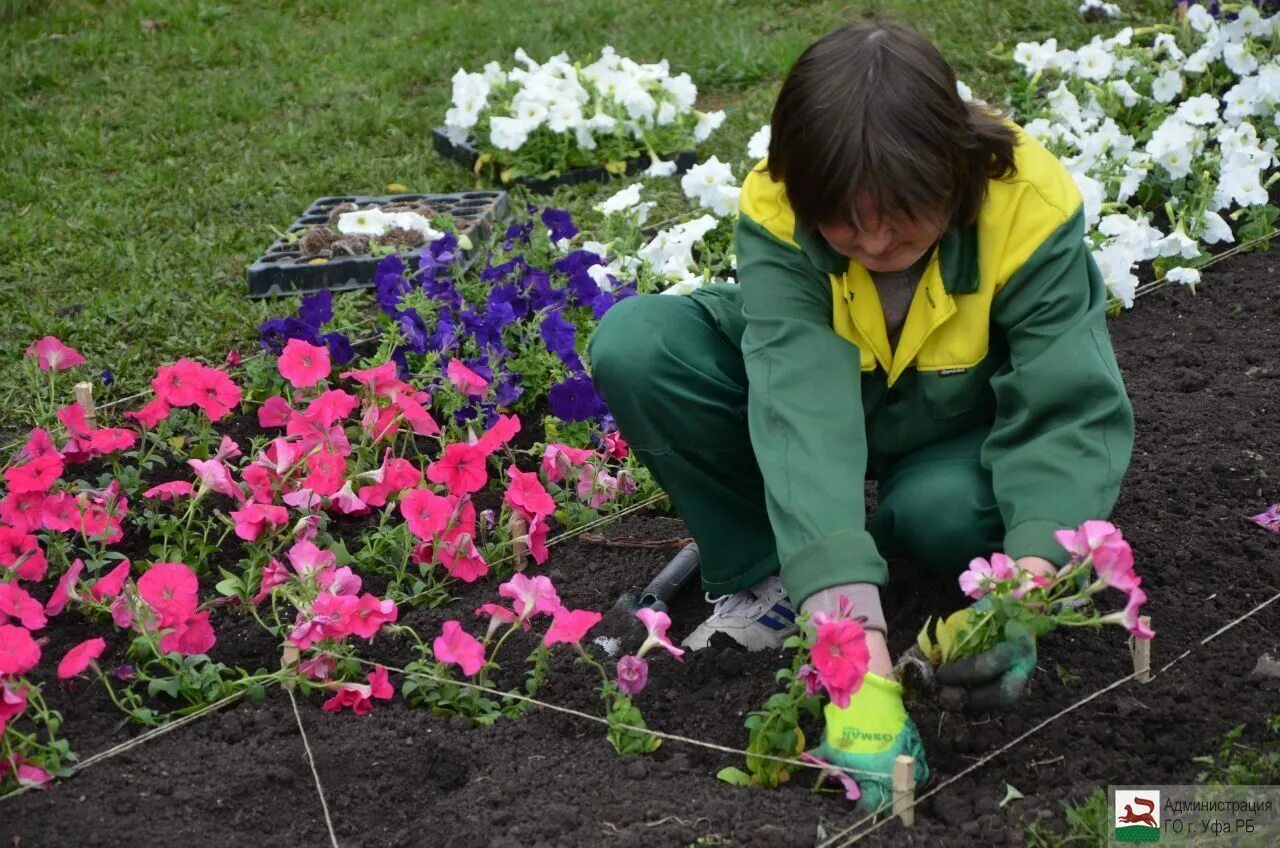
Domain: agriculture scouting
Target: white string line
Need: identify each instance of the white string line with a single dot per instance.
(856, 837)
(311, 760)
(600, 720)
(142, 738)
(1147, 288)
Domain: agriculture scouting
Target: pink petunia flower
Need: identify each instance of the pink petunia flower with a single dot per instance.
(303, 364)
(1081, 542)
(306, 558)
(170, 491)
(1129, 616)
(178, 384)
(23, 511)
(560, 460)
(530, 596)
(460, 468)
(1113, 561)
(171, 590)
(569, 626)
(331, 406)
(460, 557)
(65, 591)
(13, 702)
(394, 476)
(274, 412)
(254, 519)
(526, 492)
(656, 623)
(52, 355)
(122, 612)
(273, 574)
(28, 775)
(982, 575)
(614, 445)
(419, 420)
(21, 553)
(110, 584)
(1269, 519)
(503, 431)
(465, 380)
(17, 604)
(19, 653)
(319, 667)
(359, 697)
(151, 414)
(215, 476)
(37, 476)
(537, 537)
(78, 658)
(379, 380)
(227, 449)
(839, 656)
(596, 487)
(216, 393)
(498, 617)
(633, 674)
(426, 513)
(371, 612)
(327, 472)
(191, 637)
(831, 772)
(346, 502)
(455, 646)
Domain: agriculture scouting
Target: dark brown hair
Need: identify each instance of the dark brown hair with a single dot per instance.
(872, 108)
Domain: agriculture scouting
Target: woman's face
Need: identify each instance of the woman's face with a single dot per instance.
(882, 244)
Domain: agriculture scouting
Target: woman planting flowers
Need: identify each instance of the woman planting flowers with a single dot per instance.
(917, 307)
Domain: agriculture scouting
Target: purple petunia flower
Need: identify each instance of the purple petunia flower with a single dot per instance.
(575, 399)
(601, 304)
(582, 289)
(445, 336)
(494, 273)
(390, 284)
(107, 378)
(507, 293)
(560, 222)
(558, 334)
(414, 330)
(317, 309)
(518, 233)
(506, 390)
(339, 348)
(273, 335)
(577, 262)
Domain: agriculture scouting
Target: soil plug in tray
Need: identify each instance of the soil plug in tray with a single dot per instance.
(313, 255)
(466, 155)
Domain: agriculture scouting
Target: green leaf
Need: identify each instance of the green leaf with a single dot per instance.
(734, 776)
(1010, 794)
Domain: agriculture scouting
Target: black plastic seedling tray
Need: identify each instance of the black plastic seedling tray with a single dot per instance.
(284, 269)
(466, 155)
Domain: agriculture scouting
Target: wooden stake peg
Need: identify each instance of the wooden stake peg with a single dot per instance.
(519, 544)
(1142, 653)
(904, 789)
(84, 394)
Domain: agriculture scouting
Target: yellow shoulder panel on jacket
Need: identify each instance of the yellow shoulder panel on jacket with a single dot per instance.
(765, 202)
(1023, 210)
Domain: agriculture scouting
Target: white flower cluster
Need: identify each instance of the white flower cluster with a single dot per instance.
(1212, 148)
(373, 221)
(712, 185)
(1097, 7)
(612, 96)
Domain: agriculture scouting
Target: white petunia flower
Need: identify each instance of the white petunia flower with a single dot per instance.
(364, 222)
(1094, 195)
(1167, 44)
(1116, 264)
(1238, 58)
(965, 92)
(666, 115)
(1065, 61)
(1198, 62)
(1033, 56)
(682, 89)
(564, 115)
(1166, 87)
(1173, 145)
(1178, 243)
(1094, 63)
(600, 275)
(1252, 24)
(1242, 186)
(1199, 19)
(622, 200)
(711, 184)
(599, 248)
(1186, 276)
(687, 283)
(1242, 100)
(1137, 236)
(661, 169)
(1200, 110)
(1216, 229)
(758, 146)
(1064, 105)
(708, 122)
(1128, 95)
(508, 133)
(670, 252)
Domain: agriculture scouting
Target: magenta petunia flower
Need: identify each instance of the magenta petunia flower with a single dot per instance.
(331, 406)
(65, 591)
(327, 472)
(455, 646)
(303, 364)
(171, 590)
(1081, 541)
(1269, 519)
(839, 656)
(359, 696)
(227, 449)
(633, 674)
(503, 431)
(420, 421)
(216, 393)
(254, 519)
(191, 637)
(460, 468)
(426, 513)
(78, 658)
(370, 613)
(614, 445)
(151, 414)
(19, 653)
(178, 384)
(13, 702)
(23, 511)
(37, 476)
(274, 412)
(656, 623)
(569, 626)
(498, 616)
(21, 553)
(525, 492)
(380, 380)
(460, 557)
(17, 604)
(465, 380)
(111, 584)
(831, 772)
(537, 538)
(170, 491)
(52, 355)
(531, 596)
(214, 475)
(273, 574)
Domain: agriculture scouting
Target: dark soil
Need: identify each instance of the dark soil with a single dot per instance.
(1204, 377)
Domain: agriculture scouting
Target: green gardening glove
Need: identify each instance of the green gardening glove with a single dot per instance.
(994, 679)
(867, 735)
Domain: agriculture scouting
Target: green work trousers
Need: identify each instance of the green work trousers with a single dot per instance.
(671, 371)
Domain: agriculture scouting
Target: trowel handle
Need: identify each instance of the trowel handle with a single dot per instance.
(673, 577)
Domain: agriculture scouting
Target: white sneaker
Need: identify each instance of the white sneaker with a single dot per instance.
(758, 618)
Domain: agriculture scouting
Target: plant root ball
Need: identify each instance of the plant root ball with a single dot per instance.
(338, 211)
(317, 240)
(401, 238)
(350, 246)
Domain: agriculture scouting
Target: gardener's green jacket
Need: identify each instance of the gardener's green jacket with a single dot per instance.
(1007, 332)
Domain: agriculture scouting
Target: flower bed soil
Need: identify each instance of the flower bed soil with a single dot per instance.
(1203, 375)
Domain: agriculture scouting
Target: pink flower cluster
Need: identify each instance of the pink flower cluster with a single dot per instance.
(633, 669)
(1102, 544)
(52, 355)
(339, 609)
(983, 576)
(187, 383)
(594, 485)
(839, 655)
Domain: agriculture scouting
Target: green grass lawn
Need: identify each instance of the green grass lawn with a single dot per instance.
(150, 147)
